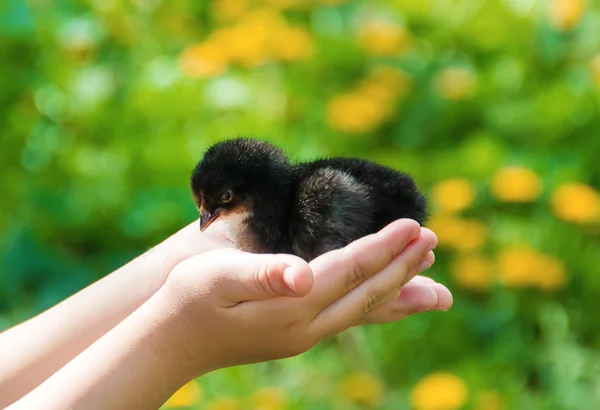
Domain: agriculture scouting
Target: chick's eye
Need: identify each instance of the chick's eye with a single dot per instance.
(227, 196)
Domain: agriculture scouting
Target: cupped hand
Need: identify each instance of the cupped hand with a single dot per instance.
(234, 308)
(189, 241)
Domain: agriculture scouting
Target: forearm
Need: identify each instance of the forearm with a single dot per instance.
(136, 365)
(34, 350)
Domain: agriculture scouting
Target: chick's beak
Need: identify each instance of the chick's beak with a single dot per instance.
(206, 218)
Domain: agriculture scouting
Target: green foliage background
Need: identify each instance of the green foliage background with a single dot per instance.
(99, 130)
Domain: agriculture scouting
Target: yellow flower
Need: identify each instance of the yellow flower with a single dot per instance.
(262, 35)
(292, 44)
(521, 266)
(383, 38)
(229, 9)
(565, 14)
(282, 4)
(386, 85)
(516, 184)
(362, 388)
(453, 195)
(249, 41)
(474, 272)
(439, 391)
(551, 273)
(456, 84)
(576, 202)
(393, 78)
(224, 404)
(188, 395)
(489, 400)
(473, 235)
(458, 233)
(270, 398)
(518, 266)
(354, 113)
(203, 60)
(379, 92)
(447, 229)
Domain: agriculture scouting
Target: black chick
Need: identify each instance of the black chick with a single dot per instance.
(274, 206)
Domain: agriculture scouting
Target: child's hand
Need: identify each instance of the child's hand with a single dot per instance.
(232, 308)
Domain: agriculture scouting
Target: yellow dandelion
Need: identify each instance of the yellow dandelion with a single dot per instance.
(453, 195)
(518, 266)
(282, 4)
(565, 14)
(576, 202)
(447, 229)
(203, 60)
(249, 42)
(473, 235)
(225, 403)
(264, 17)
(393, 78)
(489, 400)
(332, 2)
(551, 274)
(188, 395)
(249, 46)
(381, 93)
(292, 44)
(439, 391)
(474, 272)
(461, 234)
(386, 85)
(362, 388)
(354, 113)
(521, 266)
(229, 9)
(456, 84)
(516, 184)
(269, 398)
(383, 38)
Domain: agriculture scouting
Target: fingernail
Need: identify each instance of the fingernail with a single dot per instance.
(415, 232)
(288, 278)
(424, 265)
(440, 289)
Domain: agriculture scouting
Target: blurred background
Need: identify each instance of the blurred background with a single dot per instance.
(106, 105)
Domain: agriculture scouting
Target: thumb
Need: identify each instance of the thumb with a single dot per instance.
(264, 276)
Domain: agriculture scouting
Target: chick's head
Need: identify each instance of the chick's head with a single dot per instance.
(240, 176)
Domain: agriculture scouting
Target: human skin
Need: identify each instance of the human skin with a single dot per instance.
(180, 311)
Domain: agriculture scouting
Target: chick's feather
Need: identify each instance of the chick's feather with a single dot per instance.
(306, 208)
(342, 199)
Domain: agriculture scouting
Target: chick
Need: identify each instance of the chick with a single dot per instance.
(272, 205)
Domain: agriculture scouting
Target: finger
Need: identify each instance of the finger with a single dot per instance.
(189, 241)
(337, 272)
(425, 264)
(427, 257)
(428, 261)
(273, 276)
(445, 299)
(415, 298)
(243, 276)
(422, 280)
(375, 291)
